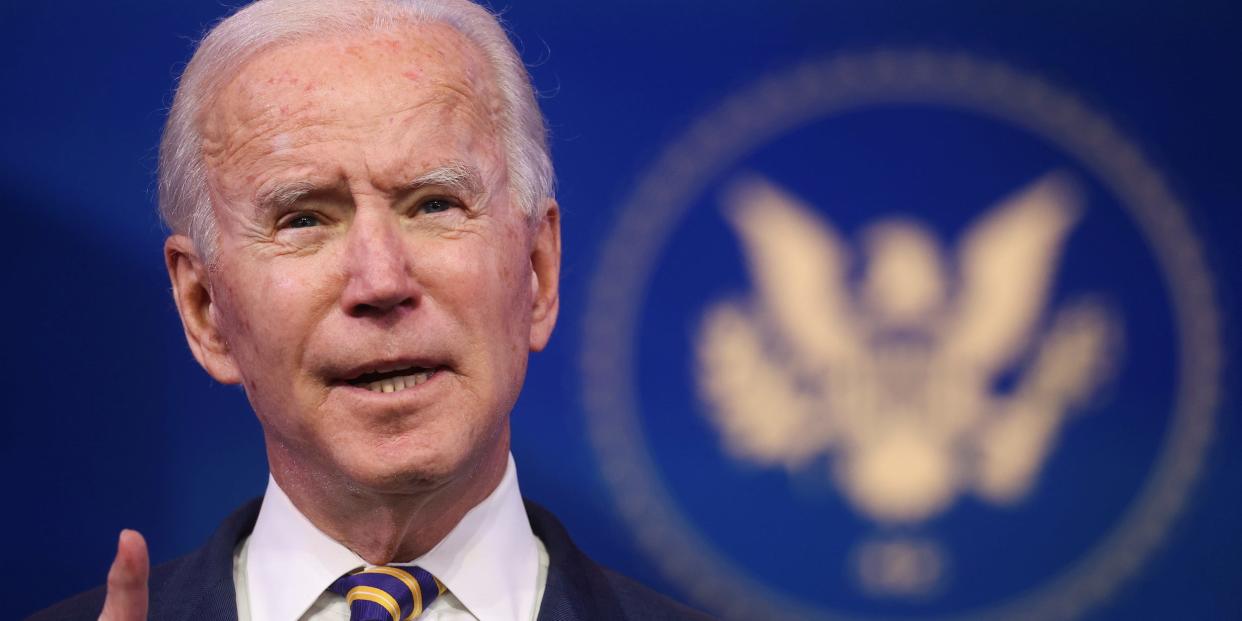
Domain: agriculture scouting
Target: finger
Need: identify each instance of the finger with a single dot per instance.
(127, 580)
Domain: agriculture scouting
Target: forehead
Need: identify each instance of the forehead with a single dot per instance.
(364, 86)
(351, 69)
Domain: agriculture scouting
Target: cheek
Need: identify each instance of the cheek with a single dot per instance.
(233, 317)
(495, 283)
(282, 291)
(263, 315)
(489, 293)
(250, 305)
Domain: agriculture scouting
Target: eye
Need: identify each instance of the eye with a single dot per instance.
(302, 221)
(436, 205)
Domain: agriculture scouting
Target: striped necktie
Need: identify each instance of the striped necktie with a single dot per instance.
(388, 593)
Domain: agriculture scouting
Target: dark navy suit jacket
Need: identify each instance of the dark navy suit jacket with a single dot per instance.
(199, 586)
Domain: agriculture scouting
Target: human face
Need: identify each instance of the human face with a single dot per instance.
(375, 288)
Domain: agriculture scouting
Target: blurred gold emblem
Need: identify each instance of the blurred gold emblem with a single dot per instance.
(918, 370)
(897, 379)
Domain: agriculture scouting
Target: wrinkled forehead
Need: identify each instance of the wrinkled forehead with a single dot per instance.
(358, 75)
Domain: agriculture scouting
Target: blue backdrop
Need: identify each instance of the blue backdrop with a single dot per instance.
(109, 423)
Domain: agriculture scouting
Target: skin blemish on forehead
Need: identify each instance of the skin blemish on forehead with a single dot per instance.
(281, 142)
(411, 74)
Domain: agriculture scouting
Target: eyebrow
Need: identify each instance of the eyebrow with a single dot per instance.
(284, 196)
(456, 176)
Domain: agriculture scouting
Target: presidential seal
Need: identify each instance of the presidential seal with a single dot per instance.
(901, 335)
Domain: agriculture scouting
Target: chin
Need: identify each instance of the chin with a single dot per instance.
(412, 464)
(416, 472)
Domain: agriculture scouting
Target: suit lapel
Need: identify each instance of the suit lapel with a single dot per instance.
(200, 586)
(577, 589)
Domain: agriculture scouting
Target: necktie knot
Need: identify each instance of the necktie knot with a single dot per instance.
(387, 593)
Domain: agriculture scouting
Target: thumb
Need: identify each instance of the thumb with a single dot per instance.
(127, 580)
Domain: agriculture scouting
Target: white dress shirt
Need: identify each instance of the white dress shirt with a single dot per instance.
(493, 565)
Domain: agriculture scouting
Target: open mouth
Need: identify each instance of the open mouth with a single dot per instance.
(392, 381)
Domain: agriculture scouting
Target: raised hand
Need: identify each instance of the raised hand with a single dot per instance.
(127, 580)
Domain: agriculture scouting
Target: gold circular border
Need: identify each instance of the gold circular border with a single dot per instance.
(821, 89)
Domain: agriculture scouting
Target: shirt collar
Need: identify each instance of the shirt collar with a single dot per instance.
(489, 561)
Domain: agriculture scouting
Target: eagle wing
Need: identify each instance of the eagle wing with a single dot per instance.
(798, 265)
(758, 392)
(1006, 265)
(1071, 361)
(756, 403)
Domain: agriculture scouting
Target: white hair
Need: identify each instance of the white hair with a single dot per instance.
(185, 204)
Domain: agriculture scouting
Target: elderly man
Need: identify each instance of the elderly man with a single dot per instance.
(365, 239)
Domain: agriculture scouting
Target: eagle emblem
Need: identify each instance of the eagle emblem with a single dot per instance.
(914, 379)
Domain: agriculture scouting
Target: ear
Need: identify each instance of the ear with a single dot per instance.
(545, 275)
(199, 314)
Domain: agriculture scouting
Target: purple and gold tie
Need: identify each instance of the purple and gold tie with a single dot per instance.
(388, 593)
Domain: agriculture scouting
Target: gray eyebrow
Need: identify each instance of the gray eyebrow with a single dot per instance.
(284, 195)
(458, 176)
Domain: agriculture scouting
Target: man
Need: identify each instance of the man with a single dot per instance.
(364, 238)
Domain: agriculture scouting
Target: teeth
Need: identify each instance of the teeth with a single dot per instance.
(401, 382)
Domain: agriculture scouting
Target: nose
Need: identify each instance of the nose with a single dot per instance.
(379, 275)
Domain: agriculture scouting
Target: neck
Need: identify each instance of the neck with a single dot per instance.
(385, 525)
